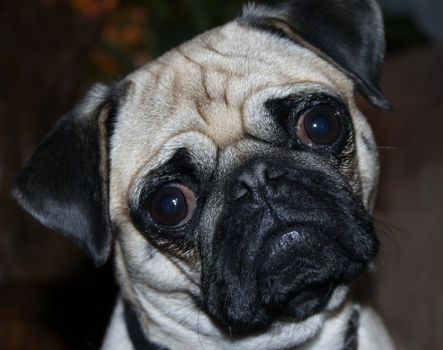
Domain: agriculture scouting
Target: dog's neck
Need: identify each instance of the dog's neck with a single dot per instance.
(131, 330)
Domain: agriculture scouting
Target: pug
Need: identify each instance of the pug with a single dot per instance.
(233, 180)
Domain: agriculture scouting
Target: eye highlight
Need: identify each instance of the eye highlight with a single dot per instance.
(319, 125)
(172, 205)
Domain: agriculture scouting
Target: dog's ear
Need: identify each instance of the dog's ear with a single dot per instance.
(347, 33)
(65, 183)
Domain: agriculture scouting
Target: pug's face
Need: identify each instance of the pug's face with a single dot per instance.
(234, 172)
(253, 175)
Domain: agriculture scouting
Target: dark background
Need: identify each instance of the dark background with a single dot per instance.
(51, 51)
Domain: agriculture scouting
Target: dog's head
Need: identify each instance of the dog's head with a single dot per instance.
(235, 168)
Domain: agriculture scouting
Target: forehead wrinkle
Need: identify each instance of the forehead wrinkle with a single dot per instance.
(205, 70)
(213, 73)
(209, 45)
(163, 147)
(211, 60)
(212, 110)
(219, 117)
(202, 68)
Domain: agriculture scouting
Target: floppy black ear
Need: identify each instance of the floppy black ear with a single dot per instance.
(347, 33)
(65, 183)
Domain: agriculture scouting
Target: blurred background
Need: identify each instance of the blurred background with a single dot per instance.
(51, 51)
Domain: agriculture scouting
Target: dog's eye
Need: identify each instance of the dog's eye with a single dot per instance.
(319, 126)
(172, 205)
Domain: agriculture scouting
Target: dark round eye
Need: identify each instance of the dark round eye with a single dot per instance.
(319, 125)
(172, 205)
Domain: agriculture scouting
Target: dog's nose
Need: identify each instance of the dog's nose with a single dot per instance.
(255, 178)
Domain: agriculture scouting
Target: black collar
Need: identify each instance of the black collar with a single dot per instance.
(140, 342)
(351, 334)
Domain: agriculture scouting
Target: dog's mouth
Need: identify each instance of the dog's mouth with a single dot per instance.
(249, 304)
(289, 280)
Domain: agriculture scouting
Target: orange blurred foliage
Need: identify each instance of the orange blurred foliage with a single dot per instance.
(106, 62)
(137, 14)
(131, 36)
(93, 9)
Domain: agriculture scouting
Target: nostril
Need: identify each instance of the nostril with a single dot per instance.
(274, 173)
(253, 180)
(240, 191)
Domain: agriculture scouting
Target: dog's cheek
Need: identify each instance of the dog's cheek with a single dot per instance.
(139, 263)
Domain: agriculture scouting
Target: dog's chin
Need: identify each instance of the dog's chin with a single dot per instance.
(300, 307)
(312, 301)
(306, 303)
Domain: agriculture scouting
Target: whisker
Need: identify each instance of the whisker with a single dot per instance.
(398, 149)
(182, 321)
(407, 233)
(383, 228)
(198, 330)
(392, 131)
(169, 313)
